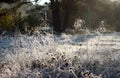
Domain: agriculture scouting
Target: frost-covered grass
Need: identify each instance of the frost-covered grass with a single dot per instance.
(65, 56)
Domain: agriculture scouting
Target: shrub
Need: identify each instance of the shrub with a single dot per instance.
(7, 21)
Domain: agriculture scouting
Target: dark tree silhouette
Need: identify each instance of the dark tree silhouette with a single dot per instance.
(69, 10)
(55, 7)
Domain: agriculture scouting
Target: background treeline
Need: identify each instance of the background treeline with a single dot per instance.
(20, 15)
(61, 14)
(92, 12)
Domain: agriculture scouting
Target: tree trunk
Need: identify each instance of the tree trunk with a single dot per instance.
(66, 20)
(56, 16)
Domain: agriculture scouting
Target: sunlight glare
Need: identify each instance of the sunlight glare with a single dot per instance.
(115, 0)
(41, 2)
